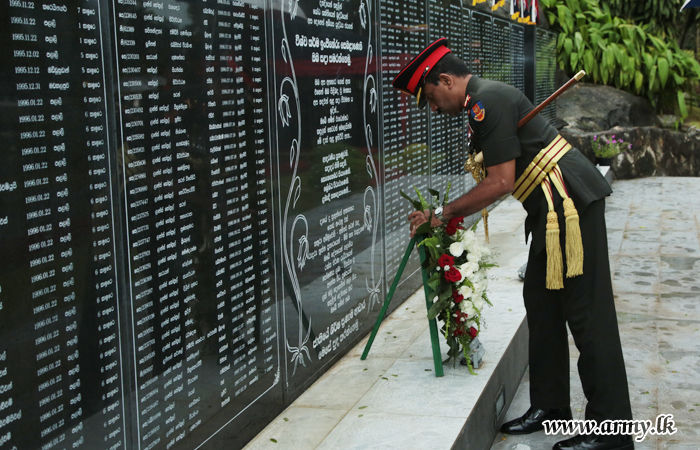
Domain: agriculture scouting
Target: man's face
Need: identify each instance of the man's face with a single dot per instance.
(443, 98)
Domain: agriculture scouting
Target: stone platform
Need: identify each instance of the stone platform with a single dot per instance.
(653, 228)
(393, 400)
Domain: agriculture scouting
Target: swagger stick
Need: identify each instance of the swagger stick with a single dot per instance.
(475, 164)
(480, 158)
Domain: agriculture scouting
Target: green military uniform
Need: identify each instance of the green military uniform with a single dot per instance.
(586, 301)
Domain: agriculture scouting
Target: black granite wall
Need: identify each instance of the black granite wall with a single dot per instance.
(199, 208)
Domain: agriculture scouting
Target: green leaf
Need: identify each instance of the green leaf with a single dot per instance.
(638, 81)
(588, 61)
(642, 34)
(678, 79)
(446, 294)
(435, 193)
(568, 46)
(681, 104)
(574, 60)
(619, 57)
(578, 40)
(416, 204)
(423, 203)
(423, 228)
(434, 277)
(648, 61)
(362, 407)
(436, 309)
(433, 285)
(273, 440)
(670, 58)
(610, 57)
(662, 64)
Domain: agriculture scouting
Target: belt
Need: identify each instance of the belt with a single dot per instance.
(540, 166)
(544, 171)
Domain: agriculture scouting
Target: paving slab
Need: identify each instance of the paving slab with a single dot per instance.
(654, 246)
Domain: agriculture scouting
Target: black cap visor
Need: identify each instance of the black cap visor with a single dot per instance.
(420, 95)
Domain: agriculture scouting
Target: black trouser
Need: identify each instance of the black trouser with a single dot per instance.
(586, 304)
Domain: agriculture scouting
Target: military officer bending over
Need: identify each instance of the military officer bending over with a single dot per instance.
(568, 272)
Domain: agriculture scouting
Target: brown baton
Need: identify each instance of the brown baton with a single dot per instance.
(480, 157)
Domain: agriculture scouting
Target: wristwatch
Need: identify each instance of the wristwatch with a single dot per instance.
(438, 213)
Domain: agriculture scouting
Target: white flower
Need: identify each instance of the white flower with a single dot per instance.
(474, 257)
(467, 269)
(446, 268)
(465, 291)
(478, 303)
(473, 247)
(472, 323)
(479, 287)
(469, 238)
(468, 308)
(456, 249)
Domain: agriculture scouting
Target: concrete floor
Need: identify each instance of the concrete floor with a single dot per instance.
(653, 226)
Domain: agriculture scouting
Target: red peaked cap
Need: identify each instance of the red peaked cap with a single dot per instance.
(412, 78)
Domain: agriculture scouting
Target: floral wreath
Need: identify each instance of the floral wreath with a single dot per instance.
(456, 264)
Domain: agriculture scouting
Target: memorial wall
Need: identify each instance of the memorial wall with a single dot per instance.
(199, 202)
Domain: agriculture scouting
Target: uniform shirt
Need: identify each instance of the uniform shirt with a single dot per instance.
(497, 136)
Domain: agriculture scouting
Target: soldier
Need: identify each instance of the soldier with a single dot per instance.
(560, 190)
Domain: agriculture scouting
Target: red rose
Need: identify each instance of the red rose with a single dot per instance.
(456, 220)
(452, 275)
(457, 296)
(446, 260)
(473, 332)
(453, 225)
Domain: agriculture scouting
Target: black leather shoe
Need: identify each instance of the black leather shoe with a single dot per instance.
(596, 442)
(532, 420)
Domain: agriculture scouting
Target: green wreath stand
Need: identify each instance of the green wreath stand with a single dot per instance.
(432, 324)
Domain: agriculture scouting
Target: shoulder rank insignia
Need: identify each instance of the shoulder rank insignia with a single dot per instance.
(478, 112)
(467, 100)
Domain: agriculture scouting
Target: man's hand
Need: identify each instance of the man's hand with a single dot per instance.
(418, 218)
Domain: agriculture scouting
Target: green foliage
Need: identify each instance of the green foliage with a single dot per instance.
(620, 53)
(608, 148)
(664, 17)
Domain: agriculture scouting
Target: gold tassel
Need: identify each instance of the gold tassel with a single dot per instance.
(554, 262)
(485, 215)
(574, 245)
(475, 165)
